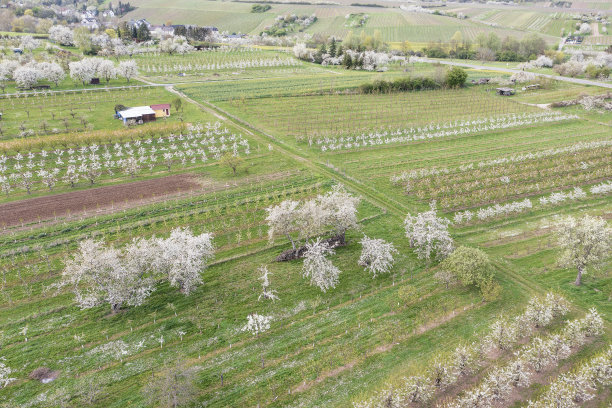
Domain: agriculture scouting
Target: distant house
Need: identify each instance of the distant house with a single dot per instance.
(161, 110)
(138, 115)
(91, 23)
(505, 91)
(138, 23)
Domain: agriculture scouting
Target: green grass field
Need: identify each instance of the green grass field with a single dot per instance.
(322, 349)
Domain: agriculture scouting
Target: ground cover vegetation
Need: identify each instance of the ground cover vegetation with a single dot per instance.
(387, 237)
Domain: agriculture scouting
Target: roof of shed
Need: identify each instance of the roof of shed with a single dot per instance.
(136, 112)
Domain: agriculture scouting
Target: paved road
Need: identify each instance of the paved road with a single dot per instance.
(513, 71)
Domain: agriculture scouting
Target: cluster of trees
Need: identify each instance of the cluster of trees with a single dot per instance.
(431, 240)
(399, 85)
(301, 221)
(489, 48)
(307, 221)
(577, 387)
(88, 68)
(175, 45)
(542, 353)
(28, 75)
(260, 8)
(193, 32)
(284, 25)
(132, 32)
(363, 52)
(101, 274)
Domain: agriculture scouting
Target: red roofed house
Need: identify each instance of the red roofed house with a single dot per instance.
(161, 110)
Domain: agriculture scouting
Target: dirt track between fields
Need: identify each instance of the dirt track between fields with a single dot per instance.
(58, 205)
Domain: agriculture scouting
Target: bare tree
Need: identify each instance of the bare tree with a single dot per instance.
(173, 387)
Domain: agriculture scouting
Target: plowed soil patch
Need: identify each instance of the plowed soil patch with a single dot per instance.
(43, 208)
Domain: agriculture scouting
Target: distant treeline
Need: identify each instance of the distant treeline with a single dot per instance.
(303, 3)
(400, 85)
(260, 8)
(367, 5)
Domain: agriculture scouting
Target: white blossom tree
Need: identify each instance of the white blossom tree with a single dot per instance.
(443, 373)
(429, 234)
(318, 268)
(585, 242)
(84, 70)
(99, 275)
(28, 43)
(311, 219)
(128, 69)
(340, 209)
(183, 256)
(61, 35)
(498, 381)
(519, 374)
(502, 335)
(538, 355)
(282, 220)
(266, 292)
(376, 255)
(53, 72)
(107, 70)
(257, 324)
(416, 389)
(27, 76)
(175, 45)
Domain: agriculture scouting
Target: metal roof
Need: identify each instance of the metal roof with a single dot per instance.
(136, 112)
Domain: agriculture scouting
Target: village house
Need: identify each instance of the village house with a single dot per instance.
(90, 23)
(161, 110)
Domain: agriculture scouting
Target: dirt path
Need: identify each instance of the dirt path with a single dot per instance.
(595, 29)
(43, 208)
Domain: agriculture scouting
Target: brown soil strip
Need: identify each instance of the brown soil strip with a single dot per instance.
(42, 208)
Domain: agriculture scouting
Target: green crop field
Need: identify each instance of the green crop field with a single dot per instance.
(68, 111)
(219, 257)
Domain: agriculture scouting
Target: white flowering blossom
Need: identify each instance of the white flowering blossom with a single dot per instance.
(5, 374)
(266, 292)
(128, 69)
(318, 268)
(257, 324)
(183, 256)
(585, 241)
(61, 35)
(376, 255)
(27, 77)
(429, 234)
(99, 275)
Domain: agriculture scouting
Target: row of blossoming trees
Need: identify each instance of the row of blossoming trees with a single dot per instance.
(29, 74)
(532, 351)
(46, 168)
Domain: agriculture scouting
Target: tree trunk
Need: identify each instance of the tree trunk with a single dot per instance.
(578, 280)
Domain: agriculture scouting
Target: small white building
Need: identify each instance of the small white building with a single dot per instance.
(138, 114)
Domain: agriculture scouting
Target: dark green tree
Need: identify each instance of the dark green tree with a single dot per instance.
(455, 77)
